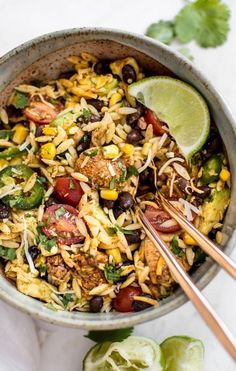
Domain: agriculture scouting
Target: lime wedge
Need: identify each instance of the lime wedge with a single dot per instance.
(132, 354)
(180, 106)
(183, 353)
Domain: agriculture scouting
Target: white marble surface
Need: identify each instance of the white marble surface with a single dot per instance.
(25, 19)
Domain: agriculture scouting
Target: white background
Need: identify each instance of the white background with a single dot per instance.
(25, 19)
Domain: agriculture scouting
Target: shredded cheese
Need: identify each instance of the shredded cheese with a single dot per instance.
(26, 248)
(188, 207)
(162, 139)
(147, 163)
(167, 163)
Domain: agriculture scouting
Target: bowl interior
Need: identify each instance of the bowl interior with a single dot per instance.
(43, 59)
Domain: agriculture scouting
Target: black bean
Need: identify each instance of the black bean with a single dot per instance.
(96, 103)
(146, 177)
(117, 212)
(107, 203)
(39, 130)
(137, 305)
(95, 304)
(136, 115)
(85, 120)
(213, 144)
(134, 237)
(134, 136)
(125, 201)
(4, 211)
(34, 252)
(51, 201)
(84, 143)
(206, 191)
(183, 185)
(117, 77)
(66, 74)
(128, 74)
(102, 67)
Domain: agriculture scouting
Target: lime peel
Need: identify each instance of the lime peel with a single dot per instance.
(180, 106)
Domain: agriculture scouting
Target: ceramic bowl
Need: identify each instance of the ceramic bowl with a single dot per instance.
(44, 58)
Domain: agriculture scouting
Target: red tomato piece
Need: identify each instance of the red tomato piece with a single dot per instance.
(161, 220)
(124, 299)
(60, 222)
(152, 119)
(68, 190)
(41, 113)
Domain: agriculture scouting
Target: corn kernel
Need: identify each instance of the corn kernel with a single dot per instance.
(48, 151)
(3, 163)
(224, 175)
(48, 130)
(160, 265)
(20, 134)
(115, 98)
(109, 194)
(188, 240)
(111, 151)
(146, 148)
(115, 253)
(127, 149)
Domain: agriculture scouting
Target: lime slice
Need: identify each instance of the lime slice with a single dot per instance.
(132, 354)
(183, 353)
(180, 106)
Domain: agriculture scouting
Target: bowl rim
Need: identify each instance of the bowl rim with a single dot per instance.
(33, 306)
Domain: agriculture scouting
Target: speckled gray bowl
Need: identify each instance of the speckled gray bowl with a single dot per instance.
(44, 58)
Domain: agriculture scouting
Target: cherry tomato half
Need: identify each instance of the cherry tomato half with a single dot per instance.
(159, 218)
(60, 222)
(152, 119)
(124, 299)
(68, 190)
(40, 112)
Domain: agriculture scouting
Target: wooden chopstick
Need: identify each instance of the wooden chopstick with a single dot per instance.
(202, 305)
(206, 244)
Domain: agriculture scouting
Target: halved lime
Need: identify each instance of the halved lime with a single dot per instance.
(132, 354)
(180, 106)
(183, 353)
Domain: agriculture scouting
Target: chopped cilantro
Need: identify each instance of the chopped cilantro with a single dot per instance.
(41, 179)
(112, 184)
(91, 153)
(112, 273)
(86, 114)
(66, 299)
(116, 228)
(162, 31)
(46, 243)
(206, 21)
(48, 221)
(110, 335)
(123, 172)
(7, 253)
(20, 100)
(132, 170)
(42, 269)
(59, 212)
(174, 245)
(72, 184)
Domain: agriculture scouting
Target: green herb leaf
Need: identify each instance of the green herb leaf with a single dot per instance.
(42, 239)
(7, 253)
(60, 212)
(86, 114)
(41, 179)
(186, 53)
(112, 273)
(116, 228)
(42, 269)
(110, 335)
(206, 21)
(132, 170)
(20, 100)
(66, 299)
(174, 245)
(91, 153)
(72, 184)
(162, 31)
(112, 184)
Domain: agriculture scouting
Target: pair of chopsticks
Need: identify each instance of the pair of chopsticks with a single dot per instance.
(202, 305)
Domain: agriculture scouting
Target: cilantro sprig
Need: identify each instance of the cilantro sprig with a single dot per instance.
(20, 100)
(205, 21)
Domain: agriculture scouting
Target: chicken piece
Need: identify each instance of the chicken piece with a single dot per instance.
(35, 287)
(56, 269)
(97, 171)
(88, 271)
(151, 255)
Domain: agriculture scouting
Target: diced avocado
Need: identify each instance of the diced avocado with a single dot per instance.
(109, 86)
(211, 169)
(213, 210)
(64, 119)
